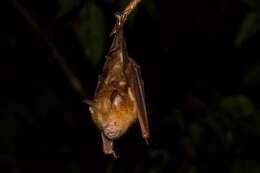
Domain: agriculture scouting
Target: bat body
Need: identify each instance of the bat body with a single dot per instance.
(119, 97)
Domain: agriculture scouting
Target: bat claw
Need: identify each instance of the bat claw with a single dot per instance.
(120, 20)
(147, 142)
(115, 155)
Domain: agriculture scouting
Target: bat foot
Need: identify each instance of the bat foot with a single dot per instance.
(115, 155)
(146, 137)
(120, 20)
(147, 142)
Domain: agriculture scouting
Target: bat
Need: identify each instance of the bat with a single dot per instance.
(119, 98)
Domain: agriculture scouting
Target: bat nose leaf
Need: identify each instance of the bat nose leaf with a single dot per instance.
(111, 130)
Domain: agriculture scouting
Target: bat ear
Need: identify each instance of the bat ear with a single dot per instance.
(91, 104)
(117, 100)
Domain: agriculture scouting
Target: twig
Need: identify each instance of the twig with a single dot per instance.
(130, 7)
(74, 82)
(122, 17)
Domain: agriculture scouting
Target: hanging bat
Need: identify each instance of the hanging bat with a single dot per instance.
(119, 97)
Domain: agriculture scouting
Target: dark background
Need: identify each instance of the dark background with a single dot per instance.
(200, 65)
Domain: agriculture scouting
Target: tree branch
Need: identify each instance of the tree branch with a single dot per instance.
(130, 7)
(122, 17)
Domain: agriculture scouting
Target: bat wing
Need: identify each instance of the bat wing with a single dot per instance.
(137, 89)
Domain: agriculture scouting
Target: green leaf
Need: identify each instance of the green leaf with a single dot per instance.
(239, 104)
(252, 77)
(91, 32)
(67, 5)
(249, 27)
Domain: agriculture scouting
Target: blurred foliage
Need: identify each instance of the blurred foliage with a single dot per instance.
(251, 22)
(241, 104)
(91, 32)
(91, 26)
(249, 27)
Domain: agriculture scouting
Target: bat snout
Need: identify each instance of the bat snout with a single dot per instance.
(111, 130)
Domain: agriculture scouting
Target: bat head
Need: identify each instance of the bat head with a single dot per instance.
(112, 117)
(116, 118)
